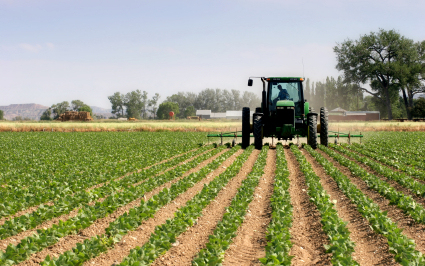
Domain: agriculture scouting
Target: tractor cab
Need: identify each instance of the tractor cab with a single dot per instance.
(284, 113)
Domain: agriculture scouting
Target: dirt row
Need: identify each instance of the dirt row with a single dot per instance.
(307, 235)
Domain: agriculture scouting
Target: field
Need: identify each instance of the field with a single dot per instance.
(170, 198)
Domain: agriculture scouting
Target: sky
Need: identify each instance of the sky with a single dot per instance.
(62, 50)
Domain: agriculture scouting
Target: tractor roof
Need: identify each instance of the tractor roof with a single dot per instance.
(285, 79)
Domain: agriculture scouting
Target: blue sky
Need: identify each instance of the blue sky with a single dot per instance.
(51, 51)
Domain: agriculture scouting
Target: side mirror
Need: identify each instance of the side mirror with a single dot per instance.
(250, 82)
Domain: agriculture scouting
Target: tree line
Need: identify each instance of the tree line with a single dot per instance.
(136, 103)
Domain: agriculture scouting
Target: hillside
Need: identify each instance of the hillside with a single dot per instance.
(29, 110)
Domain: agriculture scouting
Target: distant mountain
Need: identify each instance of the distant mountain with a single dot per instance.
(101, 111)
(29, 110)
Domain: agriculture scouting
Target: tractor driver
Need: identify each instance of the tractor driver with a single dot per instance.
(283, 93)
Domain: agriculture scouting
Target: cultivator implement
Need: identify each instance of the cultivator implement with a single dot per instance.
(333, 134)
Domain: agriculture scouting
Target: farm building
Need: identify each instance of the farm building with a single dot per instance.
(204, 114)
(218, 115)
(339, 114)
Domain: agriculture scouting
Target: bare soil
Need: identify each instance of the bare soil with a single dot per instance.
(196, 237)
(99, 226)
(371, 248)
(307, 235)
(249, 244)
(412, 229)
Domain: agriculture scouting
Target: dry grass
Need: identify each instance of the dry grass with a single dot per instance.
(107, 125)
(186, 125)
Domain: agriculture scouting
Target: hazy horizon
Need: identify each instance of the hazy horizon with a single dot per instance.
(53, 51)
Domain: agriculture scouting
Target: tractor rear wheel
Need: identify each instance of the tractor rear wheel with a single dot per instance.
(312, 131)
(258, 132)
(324, 126)
(246, 128)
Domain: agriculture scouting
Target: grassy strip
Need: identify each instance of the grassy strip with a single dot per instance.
(406, 203)
(382, 157)
(226, 229)
(133, 219)
(163, 237)
(278, 235)
(70, 202)
(341, 245)
(402, 179)
(89, 214)
(400, 245)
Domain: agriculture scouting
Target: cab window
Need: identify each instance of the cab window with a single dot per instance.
(284, 91)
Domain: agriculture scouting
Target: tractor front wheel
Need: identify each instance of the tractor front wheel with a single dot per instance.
(324, 126)
(258, 132)
(312, 131)
(246, 127)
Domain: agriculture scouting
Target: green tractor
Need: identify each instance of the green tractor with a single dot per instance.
(284, 114)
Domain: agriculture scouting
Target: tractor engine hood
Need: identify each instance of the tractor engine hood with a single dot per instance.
(285, 103)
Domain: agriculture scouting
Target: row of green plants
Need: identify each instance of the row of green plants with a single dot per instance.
(130, 221)
(386, 158)
(278, 235)
(29, 189)
(340, 244)
(400, 156)
(401, 246)
(403, 143)
(89, 214)
(226, 229)
(405, 203)
(401, 178)
(70, 202)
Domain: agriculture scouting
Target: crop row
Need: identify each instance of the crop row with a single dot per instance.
(278, 235)
(134, 218)
(339, 237)
(405, 203)
(404, 142)
(35, 190)
(70, 202)
(401, 246)
(402, 179)
(383, 157)
(220, 240)
(89, 214)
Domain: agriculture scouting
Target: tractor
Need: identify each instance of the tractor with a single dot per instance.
(284, 114)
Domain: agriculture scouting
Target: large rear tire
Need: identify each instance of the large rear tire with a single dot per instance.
(258, 132)
(246, 128)
(324, 126)
(312, 131)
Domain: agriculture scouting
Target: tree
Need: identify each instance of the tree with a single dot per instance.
(145, 103)
(60, 108)
(76, 104)
(419, 109)
(134, 104)
(117, 101)
(1, 115)
(412, 83)
(153, 102)
(190, 111)
(165, 108)
(85, 108)
(377, 58)
(47, 115)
